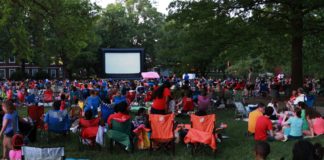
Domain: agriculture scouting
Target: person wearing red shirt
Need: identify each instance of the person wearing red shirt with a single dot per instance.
(263, 126)
(121, 114)
(161, 99)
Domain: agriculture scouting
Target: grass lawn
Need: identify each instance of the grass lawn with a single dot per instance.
(237, 147)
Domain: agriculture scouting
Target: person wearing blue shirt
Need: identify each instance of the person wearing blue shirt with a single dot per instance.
(294, 131)
(92, 102)
(57, 121)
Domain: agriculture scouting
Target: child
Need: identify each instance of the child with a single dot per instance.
(17, 142)
(8, 127)
(141, 118)
(63, 97)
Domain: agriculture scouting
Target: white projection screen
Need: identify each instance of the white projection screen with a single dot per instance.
(123, 63)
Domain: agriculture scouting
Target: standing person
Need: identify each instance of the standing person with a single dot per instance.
(8, 127)
(253, 116)
(161, 99)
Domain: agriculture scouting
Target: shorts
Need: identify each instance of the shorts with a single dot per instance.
(9, 134)
(295, 137)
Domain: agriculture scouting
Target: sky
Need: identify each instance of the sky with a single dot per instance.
(161, 5)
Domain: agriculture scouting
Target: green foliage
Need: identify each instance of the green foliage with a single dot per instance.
(41, 75)
(19, 75)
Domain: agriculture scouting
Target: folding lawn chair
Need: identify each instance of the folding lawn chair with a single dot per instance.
(162, 127)
(88, 132)
(56, 125)
(240, 110)
(120, 133)
(33, 153)
(202, 132)
(36, 113)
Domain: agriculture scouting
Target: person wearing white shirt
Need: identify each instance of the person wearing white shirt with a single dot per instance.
(300, 97)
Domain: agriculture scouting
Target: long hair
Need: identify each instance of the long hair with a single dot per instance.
(159, 92)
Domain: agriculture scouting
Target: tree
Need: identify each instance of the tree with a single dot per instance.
(296, 18)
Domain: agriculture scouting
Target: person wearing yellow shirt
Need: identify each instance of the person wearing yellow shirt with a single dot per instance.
(253, 116)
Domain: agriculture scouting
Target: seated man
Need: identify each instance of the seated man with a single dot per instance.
(264, 125)
(89, 128)
(253, 116)
(121, 114)
(57, 121)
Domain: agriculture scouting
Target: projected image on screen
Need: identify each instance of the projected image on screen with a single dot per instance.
(122, 63)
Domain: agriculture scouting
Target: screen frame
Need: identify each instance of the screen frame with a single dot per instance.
(121, 51)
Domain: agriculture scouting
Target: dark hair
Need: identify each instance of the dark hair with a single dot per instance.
(57, 105)
(122, 107)
(262, 149)
(312, 113)
(302, 105)
(141, 111)
(300, 90)
(304, 150)
(268, 111)
(63, 97)
(88, 114)
(159, 92)
(261, 105)
(204, 92)
(298, 112)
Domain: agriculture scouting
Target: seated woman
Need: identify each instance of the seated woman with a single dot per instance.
(89, 128)
(293, 126)
(121, 114)
(187, 103)
(56, 120)
(315, 123)
(203, 101)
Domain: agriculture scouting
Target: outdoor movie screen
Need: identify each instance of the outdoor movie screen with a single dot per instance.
(123, 63)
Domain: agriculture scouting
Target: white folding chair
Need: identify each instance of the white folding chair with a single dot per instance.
(33, 153)
(240, 110)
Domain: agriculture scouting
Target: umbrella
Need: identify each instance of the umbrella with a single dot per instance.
(150, 75)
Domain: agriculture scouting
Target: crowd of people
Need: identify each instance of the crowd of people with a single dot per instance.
(93, 103)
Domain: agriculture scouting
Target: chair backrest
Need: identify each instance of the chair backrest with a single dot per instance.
(240, 107)
(106, 111)
(33, 153)
(162, 126)
(58, 121)
(36, 113)
(89, 123)
(124, 127)
(203, 123)
(48, 96)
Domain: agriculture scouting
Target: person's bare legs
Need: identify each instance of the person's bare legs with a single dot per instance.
(6, 147)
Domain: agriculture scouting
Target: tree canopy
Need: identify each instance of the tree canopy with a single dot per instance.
(196, 36)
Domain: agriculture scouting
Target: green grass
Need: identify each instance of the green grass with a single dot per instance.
(237, 147)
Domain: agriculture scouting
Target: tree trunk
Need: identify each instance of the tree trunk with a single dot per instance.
(297, 51)
(22, 68)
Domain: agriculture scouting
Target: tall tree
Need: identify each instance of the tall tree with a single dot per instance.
(296, 18)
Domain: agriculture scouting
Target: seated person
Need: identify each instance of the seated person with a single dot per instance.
(203, 101)
(264, 128)
(293, 126)
(119, 98)
(187, 103)
(121, 114)
(92, 102)
(141, 118)
(262, 150)
(315, 122)
(56, 120)
(89, 127)
(305, 150)
(253, 116)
